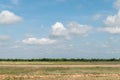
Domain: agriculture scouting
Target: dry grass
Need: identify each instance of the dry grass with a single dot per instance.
(66, 72)
(62, 77)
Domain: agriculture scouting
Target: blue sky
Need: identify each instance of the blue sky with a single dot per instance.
(59, 28)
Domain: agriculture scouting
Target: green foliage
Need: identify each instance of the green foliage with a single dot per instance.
(61, 59)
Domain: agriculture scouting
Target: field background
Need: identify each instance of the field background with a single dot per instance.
(59, 70)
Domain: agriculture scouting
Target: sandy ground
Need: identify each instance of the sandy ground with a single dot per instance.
(54, 77)
(77, 75)
(60, 65)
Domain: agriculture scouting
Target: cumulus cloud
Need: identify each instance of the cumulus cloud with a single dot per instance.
(78, 29)
(36, 41)
(7, 17)
(111, 30)
(4, 37)
(112, 24)
(73, 28)
(59, 30)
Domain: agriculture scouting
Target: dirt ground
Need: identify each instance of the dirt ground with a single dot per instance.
(59, 65)
(89, 73)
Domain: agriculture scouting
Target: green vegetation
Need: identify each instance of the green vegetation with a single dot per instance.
(61, 59)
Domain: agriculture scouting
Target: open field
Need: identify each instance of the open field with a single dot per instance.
(59, 70)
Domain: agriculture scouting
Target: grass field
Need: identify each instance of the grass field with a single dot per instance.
(59, 70)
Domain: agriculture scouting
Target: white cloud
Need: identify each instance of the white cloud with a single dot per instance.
(4, 37)
(113, 20)
(74, 28)
(117, 4)
(112, 24)
(59, 30)
(35, 41)
(111, 30)
(7, 17)
(78, 29)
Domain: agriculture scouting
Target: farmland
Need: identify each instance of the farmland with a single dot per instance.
(59, 70)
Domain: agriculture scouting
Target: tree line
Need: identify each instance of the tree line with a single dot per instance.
(61, 59)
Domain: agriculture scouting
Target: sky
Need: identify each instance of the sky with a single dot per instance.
(59, 28)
